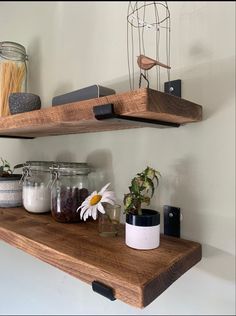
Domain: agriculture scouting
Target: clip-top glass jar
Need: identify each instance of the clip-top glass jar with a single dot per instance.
(36, 186)
(69, 189)
(13, 72)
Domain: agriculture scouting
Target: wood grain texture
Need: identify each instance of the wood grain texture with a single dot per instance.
(78, 117)
(137, 277)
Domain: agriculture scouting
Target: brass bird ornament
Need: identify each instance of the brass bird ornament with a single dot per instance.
(147, 63)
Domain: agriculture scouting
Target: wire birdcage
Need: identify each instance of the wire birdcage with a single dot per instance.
(148, 26)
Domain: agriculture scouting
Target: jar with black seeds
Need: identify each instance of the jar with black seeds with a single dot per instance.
(70, 187)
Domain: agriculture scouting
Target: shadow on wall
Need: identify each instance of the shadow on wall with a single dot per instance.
(210, 84)
(63, 87)
(35, 66)
(123, 85)
(184, 193)
(66, 156)
(101, 161)
(219, 263)
(178, 189)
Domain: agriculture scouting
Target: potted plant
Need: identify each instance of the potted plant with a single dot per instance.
(10, 188)
(142, 228)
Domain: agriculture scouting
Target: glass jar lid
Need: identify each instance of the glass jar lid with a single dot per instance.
(35, 165)
(66, 168)
(13, 51)
(38, 165)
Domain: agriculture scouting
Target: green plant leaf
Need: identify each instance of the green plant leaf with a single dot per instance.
(149, 185)
(5, 168)
(157, 181)
(141, 190)
(127, 200)
(135, 186)
(146, 199)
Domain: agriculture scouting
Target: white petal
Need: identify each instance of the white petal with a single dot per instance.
(109, 193)
(103, 189)
(82, 215)
(84, 208)
(84, 204)
(86, 215)
(101, 208)
(108, 201)
(94, 213)
(83, 211)
(110, 196)
(89, 211)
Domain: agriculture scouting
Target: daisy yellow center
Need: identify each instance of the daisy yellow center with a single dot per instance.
(95, 199)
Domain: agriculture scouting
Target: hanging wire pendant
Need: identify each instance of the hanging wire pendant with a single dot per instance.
(148, 25)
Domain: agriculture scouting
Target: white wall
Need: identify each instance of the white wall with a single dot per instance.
(76, 44)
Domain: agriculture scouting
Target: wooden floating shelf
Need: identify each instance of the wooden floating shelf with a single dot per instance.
(136, 277)
(78, 117)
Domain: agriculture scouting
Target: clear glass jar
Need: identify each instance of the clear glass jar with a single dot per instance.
(36, 186)
(13, 72)
(108, 223)
(69, 189)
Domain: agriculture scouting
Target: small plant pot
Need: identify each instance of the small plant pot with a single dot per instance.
(10, 191)
(143, 231)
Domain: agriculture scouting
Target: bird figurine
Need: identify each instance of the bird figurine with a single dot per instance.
(147, 63)
(147, 23)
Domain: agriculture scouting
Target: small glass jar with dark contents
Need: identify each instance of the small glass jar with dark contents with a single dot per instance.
(70, 187)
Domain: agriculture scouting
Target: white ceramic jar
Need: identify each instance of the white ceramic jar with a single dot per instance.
(143, 231)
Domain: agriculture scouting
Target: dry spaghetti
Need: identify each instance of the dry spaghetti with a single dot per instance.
(12, 76)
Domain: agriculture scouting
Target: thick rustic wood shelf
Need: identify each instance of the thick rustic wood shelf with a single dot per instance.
(78, 117)
(137, 277)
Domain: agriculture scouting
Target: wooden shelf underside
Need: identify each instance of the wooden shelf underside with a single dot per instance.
(137, 277)
(78, 117)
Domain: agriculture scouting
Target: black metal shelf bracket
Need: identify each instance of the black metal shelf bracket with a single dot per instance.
(103, 290)
(106, 112)
(16, 137)
(173, 87)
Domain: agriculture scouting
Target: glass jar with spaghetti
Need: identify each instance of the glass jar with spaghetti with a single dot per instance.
(13, 73)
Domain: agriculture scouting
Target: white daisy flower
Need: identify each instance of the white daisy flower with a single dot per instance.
(94, 201)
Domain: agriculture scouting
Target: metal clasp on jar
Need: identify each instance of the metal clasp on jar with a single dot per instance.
(54, 176)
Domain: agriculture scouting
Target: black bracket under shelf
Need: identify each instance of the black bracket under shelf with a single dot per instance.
(103, 290)
(106, 112)
(16, 137)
